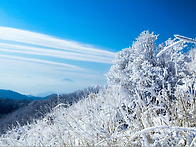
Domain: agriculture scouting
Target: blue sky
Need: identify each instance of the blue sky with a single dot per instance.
(66, 45)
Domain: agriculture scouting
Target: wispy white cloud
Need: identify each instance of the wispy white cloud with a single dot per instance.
(41, 57)
(33, 78)
(28, 37)
(53, 53)
(65, 66)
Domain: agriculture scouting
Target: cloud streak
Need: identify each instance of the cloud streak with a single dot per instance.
(53, 53)
(65, 66)
(19, 43)
(28, 37)
(29, 59)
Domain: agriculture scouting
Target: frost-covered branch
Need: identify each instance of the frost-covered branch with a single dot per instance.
(150, 129)
(186, 39)
(168, 47)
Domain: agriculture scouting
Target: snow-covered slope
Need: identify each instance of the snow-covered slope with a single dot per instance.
(39, 108)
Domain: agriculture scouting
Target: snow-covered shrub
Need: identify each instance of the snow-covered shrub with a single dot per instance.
(158, 83)
(139, 71)
(90, 121)
(95, 121)
(132, 69)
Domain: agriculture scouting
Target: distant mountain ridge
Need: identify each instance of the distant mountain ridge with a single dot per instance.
(16, 96)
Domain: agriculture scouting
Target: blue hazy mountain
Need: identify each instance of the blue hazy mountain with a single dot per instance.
(15, 95)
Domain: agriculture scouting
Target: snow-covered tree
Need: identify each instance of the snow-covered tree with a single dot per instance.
(141, 72)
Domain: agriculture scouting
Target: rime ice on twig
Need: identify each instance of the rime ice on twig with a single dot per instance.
(181, 40)
(168, 47)
(186, 39)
